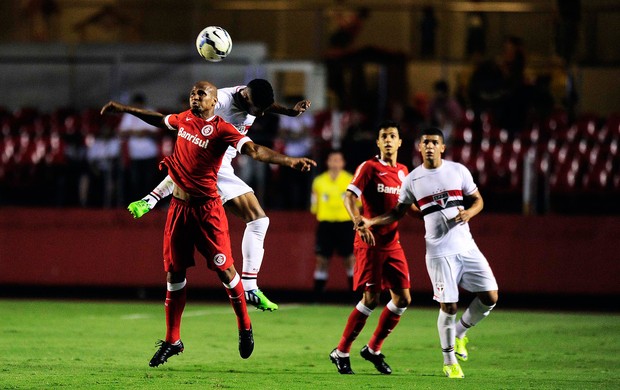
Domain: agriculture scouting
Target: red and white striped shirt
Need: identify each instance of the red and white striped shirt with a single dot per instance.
(438, 193)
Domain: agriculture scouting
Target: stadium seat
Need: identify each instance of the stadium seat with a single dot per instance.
(613, 125)
(563, 180)
(598, 178)
(587, 125)
(25, 115)
(55, 154)
(529, 136)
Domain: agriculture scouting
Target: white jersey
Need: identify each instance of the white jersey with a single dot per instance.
(438, 192)
(232, 113)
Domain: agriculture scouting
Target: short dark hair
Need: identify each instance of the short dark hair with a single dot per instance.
(261, 92)
(386, 124)
(331, 151)
(432, 131)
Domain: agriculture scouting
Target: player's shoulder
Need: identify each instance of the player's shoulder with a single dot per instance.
(454, 165)
(172, 120)
(373, 163)
(230, 90)
(222, 123)
(225, 96)
(450, 163)
(321, 177)
(402, 167)
(417, 171)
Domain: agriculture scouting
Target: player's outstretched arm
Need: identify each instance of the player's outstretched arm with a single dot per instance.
(385, 219)
(299, 108)
(264, 154)
(153, 118)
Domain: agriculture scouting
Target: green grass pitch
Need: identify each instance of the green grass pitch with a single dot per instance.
(96, 345)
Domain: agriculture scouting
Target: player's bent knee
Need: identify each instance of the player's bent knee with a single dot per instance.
(404, 301)
(489, 298)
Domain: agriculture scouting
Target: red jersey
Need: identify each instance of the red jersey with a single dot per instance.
(199, 150)
(378, 184)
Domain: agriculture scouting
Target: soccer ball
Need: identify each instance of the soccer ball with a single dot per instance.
(213, 43)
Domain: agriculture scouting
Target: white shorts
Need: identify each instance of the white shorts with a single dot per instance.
(230, 186)
(469, 269)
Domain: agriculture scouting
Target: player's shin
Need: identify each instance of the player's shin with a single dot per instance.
(476, 312)
(175, 304)
(355, 324)
(252, 249)
(390, 316)
(237, 300)
(446, 329)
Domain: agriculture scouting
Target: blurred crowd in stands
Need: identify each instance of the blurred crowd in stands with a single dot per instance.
(79, 158)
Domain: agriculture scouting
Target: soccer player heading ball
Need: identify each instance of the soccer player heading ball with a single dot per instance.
(196, 217)
(239, 105)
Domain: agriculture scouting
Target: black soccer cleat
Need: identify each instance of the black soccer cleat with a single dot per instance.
(165, 351)
(246, 343)
(343, 364)
(377, 360)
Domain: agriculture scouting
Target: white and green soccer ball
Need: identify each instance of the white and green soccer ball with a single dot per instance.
(213, 43)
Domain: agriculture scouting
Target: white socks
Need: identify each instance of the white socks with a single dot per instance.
(252, 250)
(162, 190)
(176, 286)
(233, 283)
(321, 275)
(476, 312)
(445, 326)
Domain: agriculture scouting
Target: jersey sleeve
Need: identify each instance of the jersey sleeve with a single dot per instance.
(360, 179)
(232, 136)
(469, 187)
(172, 121)
(406, 191)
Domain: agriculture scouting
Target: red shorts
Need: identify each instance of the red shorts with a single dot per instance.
(202, 225)
(377, 270)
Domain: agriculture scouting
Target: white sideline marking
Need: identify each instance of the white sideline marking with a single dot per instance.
(201, 313)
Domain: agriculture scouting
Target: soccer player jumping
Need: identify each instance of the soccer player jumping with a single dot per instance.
(240, 106)
(196, 217)
(438, 189)
(377, 267)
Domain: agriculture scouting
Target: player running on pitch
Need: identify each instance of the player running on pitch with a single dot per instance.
(438, 188)
(196, 217)
(240, 106)
(377, 182)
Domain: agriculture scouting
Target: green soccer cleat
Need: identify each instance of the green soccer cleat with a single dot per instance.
(460, 348)
(453, 371)
(259, 300)
(138, 208)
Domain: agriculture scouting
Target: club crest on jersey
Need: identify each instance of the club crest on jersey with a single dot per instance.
(439, 289)
(207, 130)
(219, 259)
(441, 199)
(401, 175)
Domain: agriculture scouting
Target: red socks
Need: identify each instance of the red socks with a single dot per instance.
(355, 324)
(387, 322)
(175, 304)
(237, 301)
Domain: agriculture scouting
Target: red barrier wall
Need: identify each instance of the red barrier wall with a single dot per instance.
(550, 254)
